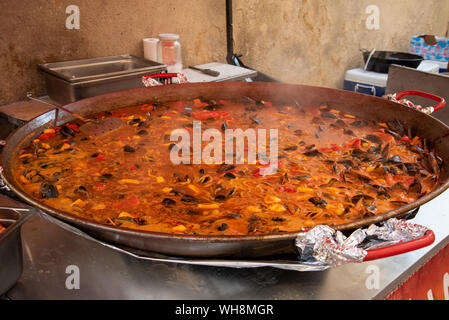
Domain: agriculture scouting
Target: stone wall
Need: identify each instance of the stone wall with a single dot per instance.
(297, 41)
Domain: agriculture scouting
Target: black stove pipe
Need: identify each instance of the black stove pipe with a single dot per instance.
(233, 58)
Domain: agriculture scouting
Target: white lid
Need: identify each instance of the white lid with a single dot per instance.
(368, 77)
(429, 66)
(440, 64)
(168, 36)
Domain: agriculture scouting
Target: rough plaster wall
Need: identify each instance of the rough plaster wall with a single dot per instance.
(33, 32)
(297, 41)
(315, 41)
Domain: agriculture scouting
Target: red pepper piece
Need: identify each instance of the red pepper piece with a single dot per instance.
(324, 150)
(335, 147)
(286, 189)
(198, 104)
(405, 180)
(100, 157)
(256, 173)
(206, 115)
(405, 139)
(355, 143)
(126, 203)
(267, 103)
(73, 126)
(56, 128)
(100, 186)
(46, 136)
(389, 180)
(118, 115)
(147, 107)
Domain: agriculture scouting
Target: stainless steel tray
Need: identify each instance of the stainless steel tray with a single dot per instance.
(70, 81)
(12, 216)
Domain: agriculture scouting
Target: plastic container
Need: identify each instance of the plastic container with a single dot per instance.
(150, 49)
(375, 83)
(442, 65)
(169, 52)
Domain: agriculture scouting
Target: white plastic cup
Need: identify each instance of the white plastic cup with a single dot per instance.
(150, 49)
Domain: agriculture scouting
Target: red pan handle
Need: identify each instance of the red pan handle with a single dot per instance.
(402, 247)
(441, 102)
(163, 75)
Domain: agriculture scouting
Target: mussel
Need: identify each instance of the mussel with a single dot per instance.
(48, 190)
(329, 115)
(168, 202)
(188, 198)
(366, 199)
(313, 153)
(67, 132)
(318, 202)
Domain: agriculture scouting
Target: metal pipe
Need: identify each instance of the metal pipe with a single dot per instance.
(229, 32)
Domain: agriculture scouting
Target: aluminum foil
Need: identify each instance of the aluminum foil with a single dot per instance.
(325, 245)
(150, 82)
(408, 103)
(3, 186)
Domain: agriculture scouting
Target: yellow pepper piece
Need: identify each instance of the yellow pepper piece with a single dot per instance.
(49, 131)
(167, 190)
(253, 209)
(340, 211)
(36, 141)
(125, 214)
(165, 117)
(304, 189)
(208, 206)
(99, 206)
(369, 169)
(45, 145)
(350, 116)
(277, 207)
(65, 146)
(26, 155)
(23, 179)
(160, 179)
(193, 188)
(271, 199)
(179, 228)
(130, 181)
(79, 203)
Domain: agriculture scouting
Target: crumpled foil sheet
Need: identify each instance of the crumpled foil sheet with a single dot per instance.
(150, 82)
(325, 245)
(408, 103)
(3, 186)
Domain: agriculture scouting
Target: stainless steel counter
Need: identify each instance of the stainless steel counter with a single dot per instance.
(107, 274)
